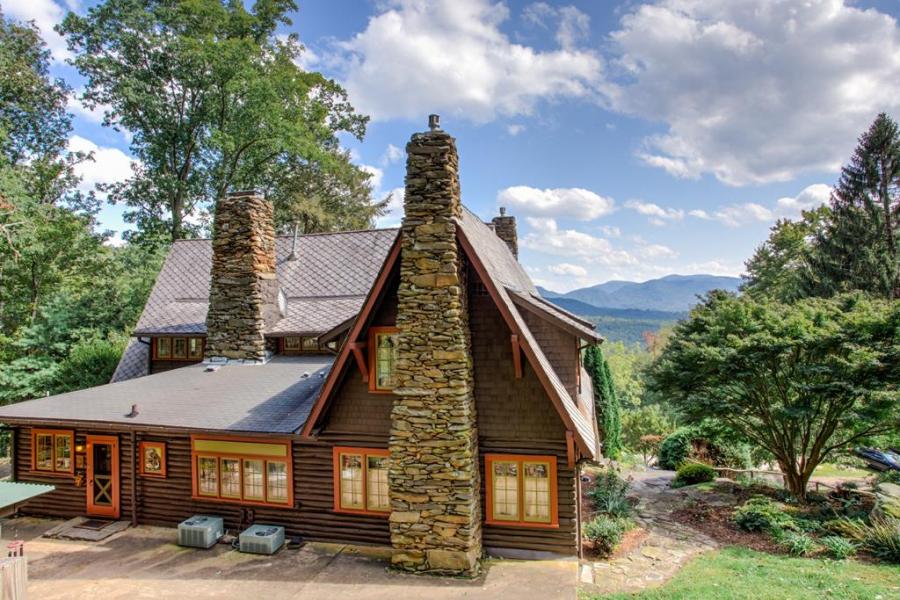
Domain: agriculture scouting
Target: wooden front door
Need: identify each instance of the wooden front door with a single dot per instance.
(103, 476)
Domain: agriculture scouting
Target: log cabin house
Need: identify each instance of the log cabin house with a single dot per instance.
(404, 387)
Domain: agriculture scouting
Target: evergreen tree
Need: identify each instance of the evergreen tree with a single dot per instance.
(606, 404)
(858, 247)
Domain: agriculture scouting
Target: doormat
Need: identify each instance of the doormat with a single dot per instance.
(94, 524)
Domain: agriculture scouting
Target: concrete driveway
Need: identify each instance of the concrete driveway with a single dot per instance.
(144, 562)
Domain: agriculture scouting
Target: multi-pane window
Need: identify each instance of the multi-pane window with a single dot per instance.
(179, 348)
(361, 480)
(382, 358)
(52, 450)
(255, 472)
(521, 490)
(294, 344)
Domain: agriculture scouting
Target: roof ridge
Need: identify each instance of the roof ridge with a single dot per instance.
(303, 235)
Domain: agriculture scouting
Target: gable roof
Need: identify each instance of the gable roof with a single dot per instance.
(324, 285)
(275, 397)
(561, 319)
(503, 275)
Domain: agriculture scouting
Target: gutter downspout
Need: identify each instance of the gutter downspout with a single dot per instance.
(134, 463)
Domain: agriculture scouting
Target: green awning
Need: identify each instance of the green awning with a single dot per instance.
(13, 492)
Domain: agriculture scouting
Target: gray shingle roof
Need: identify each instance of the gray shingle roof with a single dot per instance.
(324, 285)
(275, 397)
(135, 361)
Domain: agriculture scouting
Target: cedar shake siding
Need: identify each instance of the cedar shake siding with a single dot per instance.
(561, 349)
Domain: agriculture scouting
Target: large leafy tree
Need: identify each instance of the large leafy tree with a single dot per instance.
(799, 380)
(214, 99)
(779, 268)
(859, 248)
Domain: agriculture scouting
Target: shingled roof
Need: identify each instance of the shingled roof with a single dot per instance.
(324, 285)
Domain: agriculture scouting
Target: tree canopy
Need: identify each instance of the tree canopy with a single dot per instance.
(215, 100)
(800, 380)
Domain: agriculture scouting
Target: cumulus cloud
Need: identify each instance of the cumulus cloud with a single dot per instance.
(656, 213)
(392, 154)
(568, 269)
(547, 237)
(576, 203)
(46, 14)
(394, 213)
(515, 129)
(788, 207)
(656, 251)
(450, 56)
(753, 92)
(572, 25)
(110, 165)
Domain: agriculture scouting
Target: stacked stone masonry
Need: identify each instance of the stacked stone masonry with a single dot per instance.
(505, 228)
(243, 295)
(434, 475)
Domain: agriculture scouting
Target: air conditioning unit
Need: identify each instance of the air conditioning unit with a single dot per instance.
(261, 539)
(200, 531)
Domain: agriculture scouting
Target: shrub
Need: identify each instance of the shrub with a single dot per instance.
(881, 537)
(798, 544)
(675, 448)
(608, 495)
(692, 473)
(761, 514)
(838, 548)
(605, 532)
(889, 477)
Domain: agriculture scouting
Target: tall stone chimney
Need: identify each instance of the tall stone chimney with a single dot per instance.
(243, 290)
(434, 475)
(505, 228)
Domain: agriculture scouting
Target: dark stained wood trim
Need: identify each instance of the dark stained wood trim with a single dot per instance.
(554, 319)
(523, 342)
(335, 374)
(517, 355)
(570, 449)
(357, 349)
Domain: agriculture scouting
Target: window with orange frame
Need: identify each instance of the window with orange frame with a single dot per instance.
(361, 481)
(521, 490)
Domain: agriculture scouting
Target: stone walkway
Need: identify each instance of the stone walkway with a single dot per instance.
(667, 547)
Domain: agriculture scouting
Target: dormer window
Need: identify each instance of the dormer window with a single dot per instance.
(178, 348)
(382, 358)
(295, 344)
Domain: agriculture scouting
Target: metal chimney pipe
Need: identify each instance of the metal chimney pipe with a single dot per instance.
(434, 122)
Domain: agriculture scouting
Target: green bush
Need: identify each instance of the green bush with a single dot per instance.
(605, 532)
(881, 537)
(692, 473)
(838, 548)
(889, 477)
(675, 448)
(797, 544)
(761, 514)
(608, 496)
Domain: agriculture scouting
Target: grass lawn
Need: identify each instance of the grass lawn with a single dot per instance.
(832, 470)
(741, 574)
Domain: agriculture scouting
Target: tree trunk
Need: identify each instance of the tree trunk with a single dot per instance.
(177, 216)
(795, 480)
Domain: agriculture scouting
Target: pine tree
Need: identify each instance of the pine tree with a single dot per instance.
(858, 247)
(606, 404)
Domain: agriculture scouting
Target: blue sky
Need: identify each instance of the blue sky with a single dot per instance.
(631, 140)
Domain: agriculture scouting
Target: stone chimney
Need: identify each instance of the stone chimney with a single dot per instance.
(434, 475)
(505, 228)
(243, 290)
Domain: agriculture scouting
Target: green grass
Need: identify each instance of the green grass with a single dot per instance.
(832, 470)
(741, 574)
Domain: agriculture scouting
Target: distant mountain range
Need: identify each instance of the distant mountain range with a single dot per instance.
(672, 294)
(625, 310)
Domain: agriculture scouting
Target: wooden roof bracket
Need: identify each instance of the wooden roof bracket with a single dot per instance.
(570, 449)
(517, 355)
(357, 349)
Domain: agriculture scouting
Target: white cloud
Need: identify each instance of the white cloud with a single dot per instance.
(394, 213)
(656, 251)
(547, 237)
(572, 25)
(76, 107)
(450, 56)
(392, 154)
(568, 269)
(611, 231)
(656, 213)
(737, 215)
(110, 165)
(515, 129)
(754, 92)
(377, 175)
(576, 203)
(45, 14)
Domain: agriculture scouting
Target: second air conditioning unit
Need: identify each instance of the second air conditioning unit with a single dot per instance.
(200, 531)
(261, 539)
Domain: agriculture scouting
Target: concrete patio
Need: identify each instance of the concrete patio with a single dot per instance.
(144, 562)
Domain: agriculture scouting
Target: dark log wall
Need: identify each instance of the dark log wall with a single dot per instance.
(516, 417)
(159, 366)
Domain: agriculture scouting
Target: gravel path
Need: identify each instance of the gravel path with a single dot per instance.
(667, 547)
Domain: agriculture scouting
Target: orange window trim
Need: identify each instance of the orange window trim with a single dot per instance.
(366, 453)
(489, 460)
(54, 433)
(373, 351)
(187, 348)
(218, 497)
(162, 454)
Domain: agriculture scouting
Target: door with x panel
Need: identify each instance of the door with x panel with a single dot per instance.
(103, 476)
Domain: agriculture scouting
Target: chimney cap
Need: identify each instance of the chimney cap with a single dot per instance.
(242, 193)
(434, 122)
(502, 211)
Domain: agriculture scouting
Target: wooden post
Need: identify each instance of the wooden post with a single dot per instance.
(134, 466)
